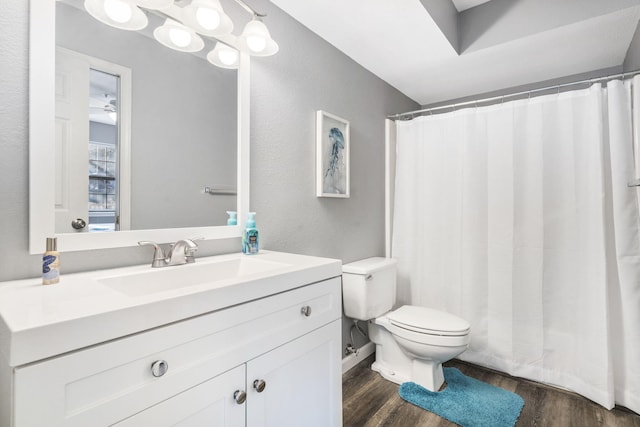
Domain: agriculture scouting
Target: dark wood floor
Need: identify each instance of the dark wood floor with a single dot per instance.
(369, 400)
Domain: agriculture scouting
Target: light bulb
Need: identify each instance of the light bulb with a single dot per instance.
(118, 10)
(256, 43)
(179, 37)
(228, 56)
(209, 19)
(113, 116)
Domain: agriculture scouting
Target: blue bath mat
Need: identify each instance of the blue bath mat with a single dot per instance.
(466, 401)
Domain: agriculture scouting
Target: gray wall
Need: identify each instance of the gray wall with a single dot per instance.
(632, 61)
(306, 75)
(286, 90)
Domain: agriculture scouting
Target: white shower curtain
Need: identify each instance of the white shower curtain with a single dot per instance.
(518, 218)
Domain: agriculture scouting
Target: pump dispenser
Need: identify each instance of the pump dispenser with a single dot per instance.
(250, 238)
(232, 218)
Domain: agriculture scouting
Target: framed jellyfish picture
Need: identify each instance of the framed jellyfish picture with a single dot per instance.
(332, 155)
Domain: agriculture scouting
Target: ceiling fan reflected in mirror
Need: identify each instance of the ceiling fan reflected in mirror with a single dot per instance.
(103, 110)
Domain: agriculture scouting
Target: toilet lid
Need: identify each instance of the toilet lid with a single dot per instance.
(428, 321)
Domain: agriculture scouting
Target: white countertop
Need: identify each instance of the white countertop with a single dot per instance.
(37, 321)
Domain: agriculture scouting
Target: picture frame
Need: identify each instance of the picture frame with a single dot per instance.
(332, 155)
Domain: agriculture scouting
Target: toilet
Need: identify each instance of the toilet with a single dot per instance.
(411, 342)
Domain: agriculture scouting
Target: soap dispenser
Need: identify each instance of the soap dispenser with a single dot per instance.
(232, 220)
(250, 238)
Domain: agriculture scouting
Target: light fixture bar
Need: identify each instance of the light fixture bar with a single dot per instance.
(185, 26)
(250, 9)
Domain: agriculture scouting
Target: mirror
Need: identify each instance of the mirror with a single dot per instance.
(172, 169)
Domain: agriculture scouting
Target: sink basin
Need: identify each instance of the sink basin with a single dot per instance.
(176, 277)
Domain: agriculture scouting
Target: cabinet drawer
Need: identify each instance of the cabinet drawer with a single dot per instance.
(208, 404)
(106, 383)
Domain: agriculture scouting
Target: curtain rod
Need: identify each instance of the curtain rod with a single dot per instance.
(413, 114)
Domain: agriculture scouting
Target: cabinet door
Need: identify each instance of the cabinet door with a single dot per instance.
(302, 382)
(211, 403)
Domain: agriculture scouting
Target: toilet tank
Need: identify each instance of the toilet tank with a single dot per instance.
(368, 287)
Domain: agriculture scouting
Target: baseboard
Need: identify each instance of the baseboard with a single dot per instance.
(352, 360)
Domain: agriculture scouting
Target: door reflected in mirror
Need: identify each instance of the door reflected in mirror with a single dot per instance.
(92, 136)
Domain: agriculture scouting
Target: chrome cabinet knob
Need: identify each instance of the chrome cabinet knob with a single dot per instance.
(259, 385)
(78, 224)
(240, 397)
(159, 368)
(306, 310)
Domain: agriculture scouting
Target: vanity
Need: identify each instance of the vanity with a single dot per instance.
(230, 340)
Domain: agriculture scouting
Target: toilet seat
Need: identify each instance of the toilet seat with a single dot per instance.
(428, 321)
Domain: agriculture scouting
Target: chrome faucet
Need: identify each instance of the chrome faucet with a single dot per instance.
(181, 252)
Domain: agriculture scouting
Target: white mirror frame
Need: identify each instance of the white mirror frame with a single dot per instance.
(42, 153)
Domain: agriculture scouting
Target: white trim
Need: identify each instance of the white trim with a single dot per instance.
(390, 147)
(353, 359)
(41, 122)
(635, 120)
(41, 153)
(243, 166)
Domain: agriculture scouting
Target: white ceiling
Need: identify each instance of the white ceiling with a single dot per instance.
(438, 50)
(461, 5)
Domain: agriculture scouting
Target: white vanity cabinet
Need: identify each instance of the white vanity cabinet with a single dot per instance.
(269, 361)
(293, 385)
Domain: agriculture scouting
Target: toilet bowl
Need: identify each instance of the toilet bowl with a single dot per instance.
(417, 348)
(411, 342)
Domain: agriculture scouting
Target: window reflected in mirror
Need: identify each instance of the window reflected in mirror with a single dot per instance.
(103, 152)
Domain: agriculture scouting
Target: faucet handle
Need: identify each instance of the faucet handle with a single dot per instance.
(158, 253)
(182, 252)
(190, 251)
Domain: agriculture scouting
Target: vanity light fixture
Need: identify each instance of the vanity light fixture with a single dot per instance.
(224, 56)
(176, 36)
(207, 18)
(255, 38)
(122, 14)
(184, 23)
